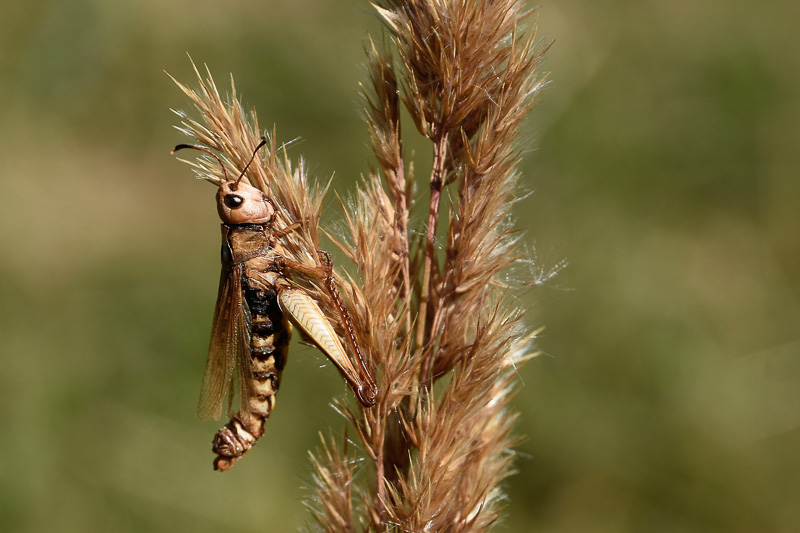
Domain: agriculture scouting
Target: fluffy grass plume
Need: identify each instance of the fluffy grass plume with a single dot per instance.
(437, 320)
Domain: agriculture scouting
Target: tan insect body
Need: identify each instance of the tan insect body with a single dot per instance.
(256, 306)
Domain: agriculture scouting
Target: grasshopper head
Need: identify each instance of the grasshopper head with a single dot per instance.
(237, 202)
(240, 203)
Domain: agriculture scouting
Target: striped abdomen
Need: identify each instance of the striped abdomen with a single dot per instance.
(269, 343)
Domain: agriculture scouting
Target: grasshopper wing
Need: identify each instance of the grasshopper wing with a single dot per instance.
(229, 347)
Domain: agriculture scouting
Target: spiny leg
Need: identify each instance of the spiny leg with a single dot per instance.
(367, 389)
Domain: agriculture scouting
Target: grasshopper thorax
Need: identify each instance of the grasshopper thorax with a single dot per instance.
(240, 203)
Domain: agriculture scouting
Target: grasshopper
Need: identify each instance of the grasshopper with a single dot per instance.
(257, 305)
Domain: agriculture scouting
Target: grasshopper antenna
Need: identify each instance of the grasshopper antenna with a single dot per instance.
(262, 143)
(209, 152)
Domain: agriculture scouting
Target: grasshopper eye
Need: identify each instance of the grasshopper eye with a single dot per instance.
(233, 201)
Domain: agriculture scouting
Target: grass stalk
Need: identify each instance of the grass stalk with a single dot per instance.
(440, 325)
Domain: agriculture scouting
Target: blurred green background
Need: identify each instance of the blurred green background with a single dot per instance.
(664, 165)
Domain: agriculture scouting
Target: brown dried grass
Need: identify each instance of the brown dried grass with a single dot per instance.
(466, 73)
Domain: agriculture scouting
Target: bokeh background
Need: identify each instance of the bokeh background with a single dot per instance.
(663, 162)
